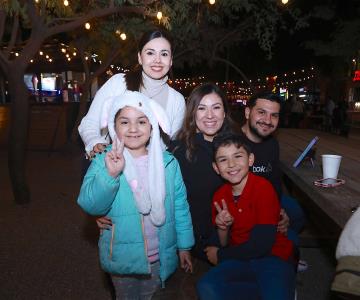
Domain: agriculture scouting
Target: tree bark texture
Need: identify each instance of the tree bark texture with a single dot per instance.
(18, 135)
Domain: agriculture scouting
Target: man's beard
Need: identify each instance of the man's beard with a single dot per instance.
(256, 132)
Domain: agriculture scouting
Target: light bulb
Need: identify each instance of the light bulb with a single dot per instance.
(63, 50)
(123, 36)
(66, 2)
(87, 26)
(284, 1)
(159, 15)
(212, 2)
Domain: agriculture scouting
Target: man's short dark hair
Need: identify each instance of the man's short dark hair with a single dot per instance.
(227, 139)
(263, 95)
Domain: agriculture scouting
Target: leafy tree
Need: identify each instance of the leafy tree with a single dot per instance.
(202, 33)
(24, 26)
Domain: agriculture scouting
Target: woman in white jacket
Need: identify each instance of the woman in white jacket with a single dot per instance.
(149, 77)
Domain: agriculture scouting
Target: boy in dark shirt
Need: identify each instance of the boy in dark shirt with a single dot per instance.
(255, 261)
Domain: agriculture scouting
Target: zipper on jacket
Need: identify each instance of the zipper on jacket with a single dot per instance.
(145, 242)
(112, 240)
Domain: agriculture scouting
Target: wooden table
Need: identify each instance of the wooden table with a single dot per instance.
(335, 202)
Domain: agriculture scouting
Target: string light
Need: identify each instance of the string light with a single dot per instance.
(212, 2)
(159, 15)
(63, 50)
(66, 3)
(123, 36)
(284, 1)
(31, 60)
(87, 26)
(16, 54)
(41, 53)
(74, 53)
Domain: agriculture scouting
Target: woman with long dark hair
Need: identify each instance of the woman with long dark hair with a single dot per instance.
(207, 114)
(149, 77)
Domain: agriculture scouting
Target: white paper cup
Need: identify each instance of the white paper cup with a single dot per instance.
(330, 165)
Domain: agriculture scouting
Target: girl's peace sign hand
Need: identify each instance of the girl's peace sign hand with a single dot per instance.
(223, 218)
(114, 159)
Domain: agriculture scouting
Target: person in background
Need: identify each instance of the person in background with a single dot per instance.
(329, 110)
(139, 188)
(297, 112)
(246, 213)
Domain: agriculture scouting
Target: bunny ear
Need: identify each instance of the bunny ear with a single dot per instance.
(105, 113)
(161, 117)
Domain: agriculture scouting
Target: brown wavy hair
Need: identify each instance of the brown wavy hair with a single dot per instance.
(188, 130)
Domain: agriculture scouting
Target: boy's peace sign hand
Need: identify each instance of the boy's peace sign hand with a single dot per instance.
(223, 218)
(114, 159)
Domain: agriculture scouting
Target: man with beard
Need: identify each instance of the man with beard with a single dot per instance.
(262, 119)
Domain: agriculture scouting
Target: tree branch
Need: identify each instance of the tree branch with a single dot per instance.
(3, 63)
(2, 23)
(229, 34)
(110, 58)
(216, 58)
(54, 21)
(35, 18)
(93, 14)
(14, 32)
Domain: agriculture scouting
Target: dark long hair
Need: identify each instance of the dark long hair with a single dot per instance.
(187, 132)
(134, 77)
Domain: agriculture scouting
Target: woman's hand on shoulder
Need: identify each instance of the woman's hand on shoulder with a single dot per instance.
(98, 148)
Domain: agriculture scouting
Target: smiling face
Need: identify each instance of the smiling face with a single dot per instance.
(210, 116)
(134, 128)
(156, 58)
(232, 163)
(262, 119)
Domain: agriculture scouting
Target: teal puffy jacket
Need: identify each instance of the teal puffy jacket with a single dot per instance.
(122, 249)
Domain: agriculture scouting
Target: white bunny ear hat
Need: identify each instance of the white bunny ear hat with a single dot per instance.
(152, 202)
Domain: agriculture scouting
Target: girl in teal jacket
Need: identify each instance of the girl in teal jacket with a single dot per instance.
(141, 189)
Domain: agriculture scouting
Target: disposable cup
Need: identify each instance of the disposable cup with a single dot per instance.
(330, 165)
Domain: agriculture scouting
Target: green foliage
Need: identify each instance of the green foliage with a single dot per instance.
(201, 31)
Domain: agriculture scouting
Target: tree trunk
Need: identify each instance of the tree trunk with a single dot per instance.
(18, 135)
(82, 107)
